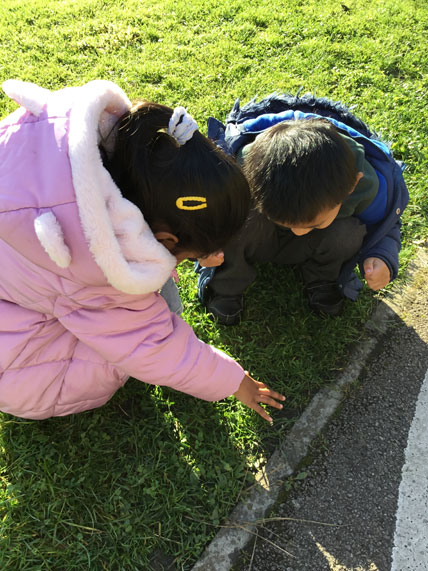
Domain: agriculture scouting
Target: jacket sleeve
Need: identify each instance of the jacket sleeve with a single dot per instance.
(387, 249)
(140, 336)
(388, 245)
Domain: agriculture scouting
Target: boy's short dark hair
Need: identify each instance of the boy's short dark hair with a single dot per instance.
(297, 169)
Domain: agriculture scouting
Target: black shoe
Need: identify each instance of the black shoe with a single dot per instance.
(227, 309)
(325, 298)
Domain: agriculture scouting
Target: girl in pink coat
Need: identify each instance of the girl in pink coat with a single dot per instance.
(99, 201)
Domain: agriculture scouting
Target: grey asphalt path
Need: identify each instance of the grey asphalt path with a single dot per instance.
(363, 503)
(353, 482)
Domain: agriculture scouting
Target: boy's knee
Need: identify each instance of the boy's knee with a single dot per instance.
(345, 237)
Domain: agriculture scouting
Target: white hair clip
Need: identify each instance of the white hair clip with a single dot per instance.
(181, 125)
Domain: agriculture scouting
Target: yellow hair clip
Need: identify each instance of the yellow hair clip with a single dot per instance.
(200, 199)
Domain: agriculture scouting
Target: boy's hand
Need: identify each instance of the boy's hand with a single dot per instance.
(251, 393)
(376, 273)
(213, 260)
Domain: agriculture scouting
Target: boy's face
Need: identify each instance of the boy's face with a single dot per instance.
(322, 220)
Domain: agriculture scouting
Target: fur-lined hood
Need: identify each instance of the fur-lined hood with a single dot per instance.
(121, 242)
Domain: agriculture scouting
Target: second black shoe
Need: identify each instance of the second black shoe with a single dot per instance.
(325, 298)
(227, 309)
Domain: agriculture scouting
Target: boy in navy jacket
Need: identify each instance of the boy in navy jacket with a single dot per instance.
(327, 195)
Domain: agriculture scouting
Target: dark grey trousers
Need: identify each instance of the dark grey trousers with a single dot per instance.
(320, 253)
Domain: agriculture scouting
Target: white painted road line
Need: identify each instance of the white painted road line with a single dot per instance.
(410, 552)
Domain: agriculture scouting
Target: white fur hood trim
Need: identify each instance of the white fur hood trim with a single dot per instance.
(119, 238)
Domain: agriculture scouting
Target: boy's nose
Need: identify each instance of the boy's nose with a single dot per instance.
(300, 231)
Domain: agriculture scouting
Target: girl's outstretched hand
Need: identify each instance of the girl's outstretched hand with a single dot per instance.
(252, 392)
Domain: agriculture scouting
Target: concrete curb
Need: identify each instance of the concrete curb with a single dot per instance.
(226, 546)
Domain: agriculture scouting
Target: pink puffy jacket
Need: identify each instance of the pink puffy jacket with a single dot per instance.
(80, 268)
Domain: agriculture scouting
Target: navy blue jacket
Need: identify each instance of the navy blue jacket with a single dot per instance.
(383, 239)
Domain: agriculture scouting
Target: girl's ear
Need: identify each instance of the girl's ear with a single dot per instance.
(166, 239)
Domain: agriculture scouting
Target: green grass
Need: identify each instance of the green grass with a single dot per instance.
(154, 469)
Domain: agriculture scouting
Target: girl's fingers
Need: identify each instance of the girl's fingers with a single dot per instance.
(271, 402)
(261, 411)
(265, 391)
(277, 396)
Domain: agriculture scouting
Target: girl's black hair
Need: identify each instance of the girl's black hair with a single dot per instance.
(153, 171)
(297, 169)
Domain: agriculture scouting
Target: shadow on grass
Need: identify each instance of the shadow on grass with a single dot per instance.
(156, 471)
(281, 342)
(153, 471)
